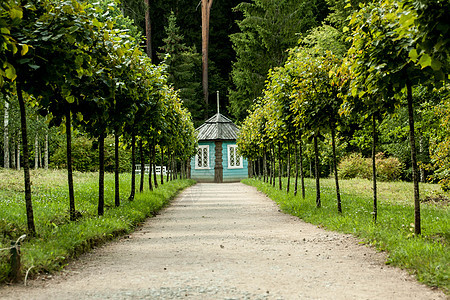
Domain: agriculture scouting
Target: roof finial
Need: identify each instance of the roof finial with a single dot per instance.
(217, 102)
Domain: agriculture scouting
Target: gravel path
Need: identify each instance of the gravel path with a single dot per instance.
(227, 241)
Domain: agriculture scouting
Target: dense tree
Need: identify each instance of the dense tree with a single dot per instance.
(268, 29)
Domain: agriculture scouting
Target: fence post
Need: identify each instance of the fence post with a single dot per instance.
(16, 267)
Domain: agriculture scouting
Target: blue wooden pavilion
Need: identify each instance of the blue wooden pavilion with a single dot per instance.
(217, 158)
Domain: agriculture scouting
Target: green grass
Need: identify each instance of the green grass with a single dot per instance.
(427, 256)
(58, 240)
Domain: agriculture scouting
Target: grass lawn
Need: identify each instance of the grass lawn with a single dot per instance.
(58, 239)
(426, 256)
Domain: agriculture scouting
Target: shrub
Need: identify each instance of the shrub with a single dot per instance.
(388, 169)
(85, 156)
(354, 165)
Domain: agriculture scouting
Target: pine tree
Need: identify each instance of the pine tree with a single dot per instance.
(184, 67)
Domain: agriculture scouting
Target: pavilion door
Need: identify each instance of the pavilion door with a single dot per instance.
(218, 169)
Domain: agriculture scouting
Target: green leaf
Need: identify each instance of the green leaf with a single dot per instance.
(413, 55)
(436, 65)
(24, 50)
(425, 61)
(15, 13)
(10, 72)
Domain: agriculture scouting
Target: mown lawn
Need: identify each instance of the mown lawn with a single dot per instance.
(58, 240)
(427, 256)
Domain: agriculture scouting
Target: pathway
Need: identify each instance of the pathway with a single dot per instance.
(227, 241)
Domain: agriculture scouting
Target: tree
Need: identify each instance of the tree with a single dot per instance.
(382, 68)
(183, 64)
(268, 29)
(206, 10)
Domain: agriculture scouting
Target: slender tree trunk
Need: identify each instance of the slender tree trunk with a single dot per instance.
(317, 172)
(421, 150)
(6, 136)
(133, 167)
(162, 164)
(18, 154)
(72, 210)
(141, 149)
(288, 173)
(302, 175)
(148, 30)
(206, 9)
(169, 161)
(336, 178)
(12, 164)
(46, 151)
(26, 166)
(36, 151)
(265, 165)
(280, 185)
(412, 139)
(150, 184)
(273, 166)
(101, 174)
(296, 168)
(116, 170)
(154, 166)
(374, 168)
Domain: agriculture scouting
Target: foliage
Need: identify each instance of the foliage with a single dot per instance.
(440, 143)
(85, 156)
(183, 68)
(354, 165)
(268, 29)
(427, 23)
(427, 256)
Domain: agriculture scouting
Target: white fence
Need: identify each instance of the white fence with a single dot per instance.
(147, 168)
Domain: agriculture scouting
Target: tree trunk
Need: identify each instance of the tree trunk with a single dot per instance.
(46, 151)
(141, 149)
(12, 164)
(26, 165)
(421, 150)
(288, 173)
(317, 172)
(169, 161)
(148, 30)
(72, 213)
(150, 184)
(265, 165)
(6, 137)
(280, 185)
(161, 166)
(412, 139)
(302, 175)
(154, 166)
(101, 174)
(133, 167)
(36, 151)
(206, 9)
(18, 154)
(296, 169)
(116, 170)
(273, 167)
(374, 168)
(336, 178)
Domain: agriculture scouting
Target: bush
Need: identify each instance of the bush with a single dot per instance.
(354, 165)
(85, 156)
(388, 169)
